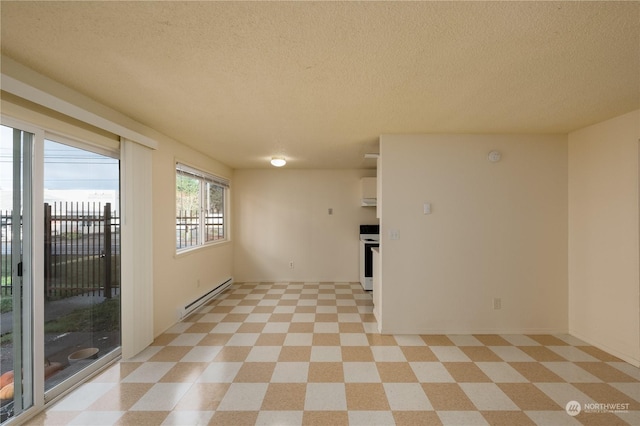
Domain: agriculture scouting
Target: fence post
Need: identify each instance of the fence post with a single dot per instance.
(107, 250)
(47, 249)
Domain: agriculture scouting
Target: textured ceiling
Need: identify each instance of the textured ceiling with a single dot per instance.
(318, 82)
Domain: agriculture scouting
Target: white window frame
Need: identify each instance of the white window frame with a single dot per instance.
(204, 178)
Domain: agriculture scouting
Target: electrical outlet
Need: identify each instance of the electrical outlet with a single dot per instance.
(198, 283)
(497, 303)
(291, 264)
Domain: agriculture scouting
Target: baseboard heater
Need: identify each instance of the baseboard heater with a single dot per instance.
(190, 307)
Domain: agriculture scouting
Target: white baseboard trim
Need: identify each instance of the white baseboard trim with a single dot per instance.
(623, 356)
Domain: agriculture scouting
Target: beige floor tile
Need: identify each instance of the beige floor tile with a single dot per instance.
(507, 418)
(350, 327)
(326, 354)
(465, 372)
(252, 357)
(54, 418)
(361, 372)
(381, 340)
(407, 397)
(285, 397)
(325, 397)
(255, 372)
(535, 372)
(220, 309)
(271, 296)
(528, 397)
(235, 418)
(599, 419)
(447, 397)
(480, 354)
(325, 418)
(164, 339)
(295, 354)
(233, 354)
(271, 339)
(327, 317)
(437, 340)
(200, 327)
(202, 397)
(324, 372)
(298, 339)
(117, 372)
(491, 340)
(290, 372)
(142, 418)
(418, 353)
(301, 327)
(416, 418)
(541, 354)
(356, 354)
(604, 393)
(263, 310)
(184, 372)
(605, 372)
(280, 317)
(547, 340)
(121, 397)
(599, 354)
(369, 317)
(217, 339)
(396, 372)
(251, 327)
(149, 372)
(234, 318)
(347, 310)
(326, 339)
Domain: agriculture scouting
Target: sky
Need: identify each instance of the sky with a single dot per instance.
(65, 167)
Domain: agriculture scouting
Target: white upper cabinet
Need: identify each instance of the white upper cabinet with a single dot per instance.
(369, 191)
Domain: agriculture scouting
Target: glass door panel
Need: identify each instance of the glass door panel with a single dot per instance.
(81, 261)
(16, 294)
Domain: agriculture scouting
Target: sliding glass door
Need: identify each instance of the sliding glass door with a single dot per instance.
(59, 266)
(16, 289)
(81, 260)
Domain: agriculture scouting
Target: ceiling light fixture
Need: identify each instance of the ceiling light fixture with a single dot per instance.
(278, 161)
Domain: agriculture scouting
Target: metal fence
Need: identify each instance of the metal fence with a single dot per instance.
(188, 229)
(81, 250)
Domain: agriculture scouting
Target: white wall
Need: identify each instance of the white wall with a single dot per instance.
(497, 230)
(604, 282)
(281, 215)
(176, 277)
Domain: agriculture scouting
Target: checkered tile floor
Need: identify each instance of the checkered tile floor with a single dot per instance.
(309, 353)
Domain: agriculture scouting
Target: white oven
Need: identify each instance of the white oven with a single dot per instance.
(369, 238)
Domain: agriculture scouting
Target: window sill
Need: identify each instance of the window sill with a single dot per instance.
(188, 251)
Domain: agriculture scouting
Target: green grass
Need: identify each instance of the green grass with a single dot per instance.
(102, 317)
(6, 304)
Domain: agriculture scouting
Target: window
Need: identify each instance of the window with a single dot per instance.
(200, 208)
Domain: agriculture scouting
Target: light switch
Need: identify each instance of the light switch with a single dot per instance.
(394, 234)
(427, 208)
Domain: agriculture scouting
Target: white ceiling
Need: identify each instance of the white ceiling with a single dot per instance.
(318, 82)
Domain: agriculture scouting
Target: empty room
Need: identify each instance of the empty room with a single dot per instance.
(320, 213)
